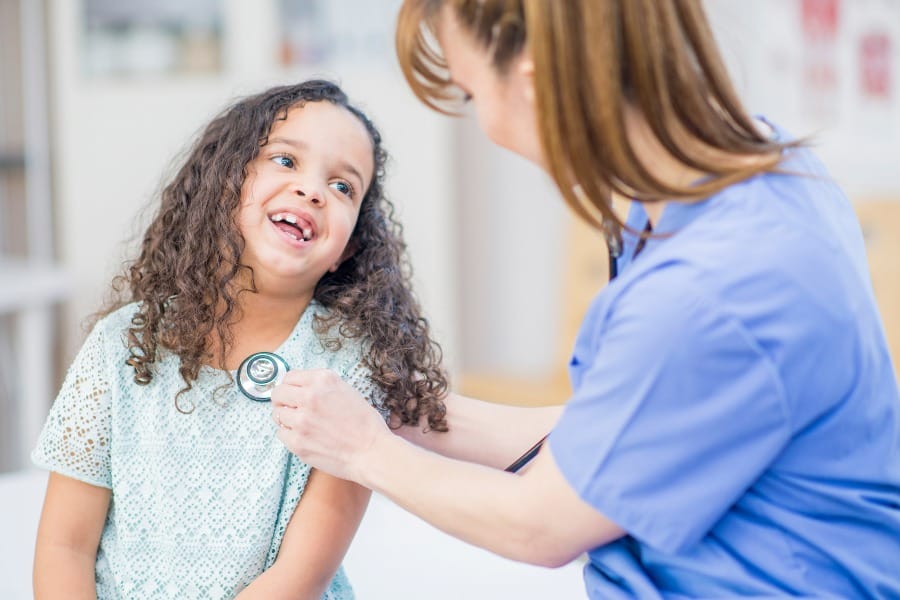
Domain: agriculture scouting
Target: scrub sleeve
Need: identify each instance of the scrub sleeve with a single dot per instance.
(676, 412)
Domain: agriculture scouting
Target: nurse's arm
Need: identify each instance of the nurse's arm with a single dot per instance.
(68, 538)
(536, 517)
(486, 433)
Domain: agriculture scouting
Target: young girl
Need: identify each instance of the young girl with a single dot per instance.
(167, 482)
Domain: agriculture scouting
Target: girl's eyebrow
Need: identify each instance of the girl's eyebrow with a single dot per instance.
(299, 145)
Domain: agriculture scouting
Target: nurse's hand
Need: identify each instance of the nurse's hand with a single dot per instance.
(326, 422)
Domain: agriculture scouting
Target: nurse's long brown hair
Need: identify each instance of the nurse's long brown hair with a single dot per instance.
(594, 58)
(188, 275)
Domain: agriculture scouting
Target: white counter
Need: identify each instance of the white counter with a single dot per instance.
(394, 555)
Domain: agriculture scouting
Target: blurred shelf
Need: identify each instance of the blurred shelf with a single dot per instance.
(11, 161)
(30, 283)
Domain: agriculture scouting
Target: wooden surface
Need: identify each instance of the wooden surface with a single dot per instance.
(583, 276)
(880, 221)
(519, 391)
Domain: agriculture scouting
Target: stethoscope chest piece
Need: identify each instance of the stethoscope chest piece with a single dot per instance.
(259, 373)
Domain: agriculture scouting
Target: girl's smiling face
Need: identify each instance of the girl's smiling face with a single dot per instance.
(302, 195)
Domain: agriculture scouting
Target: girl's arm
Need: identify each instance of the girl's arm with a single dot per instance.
(316, 539)
(486, 433)
(68, 537)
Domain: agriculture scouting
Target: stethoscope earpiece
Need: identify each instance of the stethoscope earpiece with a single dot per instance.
(259, 373)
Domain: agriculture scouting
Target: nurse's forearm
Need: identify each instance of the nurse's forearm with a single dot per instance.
(485, 432)
(529, 518)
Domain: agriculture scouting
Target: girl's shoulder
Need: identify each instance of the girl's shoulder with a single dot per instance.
(117, 320)
(336, 349)
(110, 332)
(329, 346)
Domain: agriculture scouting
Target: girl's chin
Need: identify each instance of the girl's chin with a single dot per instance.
(289, 279)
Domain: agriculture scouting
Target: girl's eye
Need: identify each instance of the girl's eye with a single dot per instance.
(284, 161)
(343, 187)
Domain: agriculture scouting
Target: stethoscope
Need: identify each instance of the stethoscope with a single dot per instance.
(259, 373)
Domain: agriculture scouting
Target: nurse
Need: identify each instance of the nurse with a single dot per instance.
(735, 425)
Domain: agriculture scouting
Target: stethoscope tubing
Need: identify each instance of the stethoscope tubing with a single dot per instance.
(614, 247)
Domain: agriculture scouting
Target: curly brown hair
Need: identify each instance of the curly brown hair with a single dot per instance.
(368, 297)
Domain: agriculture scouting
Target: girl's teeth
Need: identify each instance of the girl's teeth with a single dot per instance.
(292, 219)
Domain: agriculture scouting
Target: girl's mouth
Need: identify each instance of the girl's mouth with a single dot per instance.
(295, 228)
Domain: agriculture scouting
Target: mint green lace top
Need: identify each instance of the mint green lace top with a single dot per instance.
(200, 501)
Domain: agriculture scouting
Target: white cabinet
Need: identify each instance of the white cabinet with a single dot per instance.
(30, 282)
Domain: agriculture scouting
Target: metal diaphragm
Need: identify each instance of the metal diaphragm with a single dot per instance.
(259, 373)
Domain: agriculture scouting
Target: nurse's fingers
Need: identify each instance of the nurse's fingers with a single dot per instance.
(311, 377)
(276, 416)
(287, 395)
(287, 417)
(299, 384)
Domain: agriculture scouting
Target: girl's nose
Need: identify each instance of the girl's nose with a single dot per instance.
(311, 194)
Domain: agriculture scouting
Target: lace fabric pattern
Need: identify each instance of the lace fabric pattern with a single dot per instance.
(200, 501)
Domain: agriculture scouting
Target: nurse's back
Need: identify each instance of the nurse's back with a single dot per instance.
(782, 257)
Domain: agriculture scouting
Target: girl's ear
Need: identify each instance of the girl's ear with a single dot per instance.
(349, 251)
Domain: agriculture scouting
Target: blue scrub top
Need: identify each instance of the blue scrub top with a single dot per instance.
(735, 409)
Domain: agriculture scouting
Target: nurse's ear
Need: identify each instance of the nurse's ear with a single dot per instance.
(525, 67)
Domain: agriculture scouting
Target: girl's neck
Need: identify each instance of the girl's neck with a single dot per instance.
(266, 321)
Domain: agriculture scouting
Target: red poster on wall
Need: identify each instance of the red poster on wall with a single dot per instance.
(875, 66)
(820, 19)
(820, 22)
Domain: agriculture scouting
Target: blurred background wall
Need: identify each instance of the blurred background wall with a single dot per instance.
(99, 97)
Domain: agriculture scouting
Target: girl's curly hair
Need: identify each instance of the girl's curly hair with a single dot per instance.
(368, 297)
